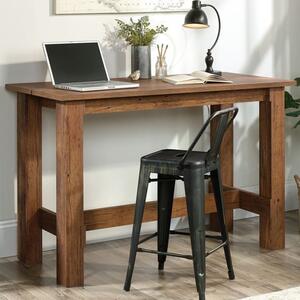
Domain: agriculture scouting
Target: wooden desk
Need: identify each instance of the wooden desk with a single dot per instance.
(70, 222)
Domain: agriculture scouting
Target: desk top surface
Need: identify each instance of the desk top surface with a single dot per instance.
(150, 88)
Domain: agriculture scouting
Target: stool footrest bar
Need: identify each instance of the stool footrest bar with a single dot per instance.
(147, 238)
(214, 237)
(179, 232)
(216, 249)
(190, 257)
(166, 179)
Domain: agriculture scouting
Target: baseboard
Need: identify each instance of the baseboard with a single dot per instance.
(8, 238)
(8, 229)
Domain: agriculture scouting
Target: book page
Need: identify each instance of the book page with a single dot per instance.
(180, 78)
(208, 77)
(202, 75)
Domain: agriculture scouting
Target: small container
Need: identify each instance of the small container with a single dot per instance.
(141, 60)
(161, 68)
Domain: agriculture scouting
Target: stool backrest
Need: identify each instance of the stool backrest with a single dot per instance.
(224, 119)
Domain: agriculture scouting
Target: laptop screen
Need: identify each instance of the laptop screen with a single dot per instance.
(76, 62)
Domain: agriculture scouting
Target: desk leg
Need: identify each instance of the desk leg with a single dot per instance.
(69, 176)
(226, 157)
(272, 169)
(29, 134)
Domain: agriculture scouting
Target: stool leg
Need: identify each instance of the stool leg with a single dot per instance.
(164, 211)
(218, 192)
(138, 218)
(195, 196)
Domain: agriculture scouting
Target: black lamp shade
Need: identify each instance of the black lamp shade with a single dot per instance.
(196, 17)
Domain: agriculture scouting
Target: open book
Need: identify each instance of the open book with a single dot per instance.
(198, 77)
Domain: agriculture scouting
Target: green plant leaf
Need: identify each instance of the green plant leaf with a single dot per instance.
(294, 114)
(297, 124)
(298, 81)
(138, 33)
(290, 102)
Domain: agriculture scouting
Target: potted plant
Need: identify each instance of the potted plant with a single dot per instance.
(291, 103)
(140, 36)
(293, 107)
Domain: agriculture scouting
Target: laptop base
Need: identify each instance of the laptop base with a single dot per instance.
(96, 86)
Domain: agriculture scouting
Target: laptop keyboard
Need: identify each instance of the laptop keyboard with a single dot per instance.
(93, 83)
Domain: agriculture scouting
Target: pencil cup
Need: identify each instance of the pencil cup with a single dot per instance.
(161, 68)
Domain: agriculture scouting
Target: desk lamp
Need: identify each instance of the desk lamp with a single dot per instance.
(196, 18)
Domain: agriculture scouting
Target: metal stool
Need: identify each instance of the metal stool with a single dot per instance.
(193, 168)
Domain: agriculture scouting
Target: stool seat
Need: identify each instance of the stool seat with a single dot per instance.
(173, 157)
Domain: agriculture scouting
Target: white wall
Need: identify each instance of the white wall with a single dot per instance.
(258, 37)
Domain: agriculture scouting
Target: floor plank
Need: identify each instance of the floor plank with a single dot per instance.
(257, 271)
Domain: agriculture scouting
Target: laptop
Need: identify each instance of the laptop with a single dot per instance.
(79, 66)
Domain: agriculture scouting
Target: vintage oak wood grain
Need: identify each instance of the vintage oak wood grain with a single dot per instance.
(123, 215)
(226, 158)
(150, 88)
(272, 169)
(29, 131)
(71, 222)
(69, 186)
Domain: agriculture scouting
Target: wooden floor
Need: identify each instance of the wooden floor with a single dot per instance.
(257, 271)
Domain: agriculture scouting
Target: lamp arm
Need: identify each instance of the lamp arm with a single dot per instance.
(219, 20)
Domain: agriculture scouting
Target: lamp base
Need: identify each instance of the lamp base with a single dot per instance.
(214, 72)
(209, 60)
